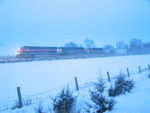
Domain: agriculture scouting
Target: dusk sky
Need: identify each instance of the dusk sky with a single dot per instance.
(56, 22)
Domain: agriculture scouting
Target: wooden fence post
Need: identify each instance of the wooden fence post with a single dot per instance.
(128, 73)
(108, 75)
(76, 83)
(140, 69)
(19, 97)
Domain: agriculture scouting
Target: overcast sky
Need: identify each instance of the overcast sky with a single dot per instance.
(55, 22)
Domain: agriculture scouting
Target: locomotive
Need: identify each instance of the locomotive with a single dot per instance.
(33, 51)
(42, 52)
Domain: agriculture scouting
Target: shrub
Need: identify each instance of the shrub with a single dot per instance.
(64, 102)
(100, 85)
(121, 85)
(101, 102)
(39, 109)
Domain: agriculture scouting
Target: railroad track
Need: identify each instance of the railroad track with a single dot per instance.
(16, 59)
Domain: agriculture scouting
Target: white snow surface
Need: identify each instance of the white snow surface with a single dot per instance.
(138, 100)
(50, 77)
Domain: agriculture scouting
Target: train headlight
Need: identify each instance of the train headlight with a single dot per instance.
(18, 51)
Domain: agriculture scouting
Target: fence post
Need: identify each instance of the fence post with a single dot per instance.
(128, 73)
(140, 69)
(108, 75)
(148, 67)
(19, 97)
(76, 83)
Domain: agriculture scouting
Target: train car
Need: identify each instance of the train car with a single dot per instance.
(95, 50)
(72, 50)
(33, 52)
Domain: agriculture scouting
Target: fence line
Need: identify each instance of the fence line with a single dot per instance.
(77, 85)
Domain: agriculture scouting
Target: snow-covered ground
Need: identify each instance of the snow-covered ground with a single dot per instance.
(138, 101)
(37, 77)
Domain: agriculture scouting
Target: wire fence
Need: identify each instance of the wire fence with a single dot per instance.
(48, 94)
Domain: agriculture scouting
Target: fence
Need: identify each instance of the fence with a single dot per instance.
(76, 83)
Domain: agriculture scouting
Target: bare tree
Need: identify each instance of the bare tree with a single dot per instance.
(71, 44)
(121, 45)
(135, 44)
(89, 43)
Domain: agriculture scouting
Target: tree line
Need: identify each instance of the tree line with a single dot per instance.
(133, 46)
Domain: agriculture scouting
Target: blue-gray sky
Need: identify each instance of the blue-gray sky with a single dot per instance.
(55, 22)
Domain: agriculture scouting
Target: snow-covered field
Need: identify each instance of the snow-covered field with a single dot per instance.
(138, 101)
(51, 76)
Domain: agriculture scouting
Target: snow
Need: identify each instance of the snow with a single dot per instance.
(51, 76)
(138, 100)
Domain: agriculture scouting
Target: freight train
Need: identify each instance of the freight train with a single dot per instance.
(38, 52)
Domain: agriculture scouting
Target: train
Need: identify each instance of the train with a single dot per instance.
(43, 52)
